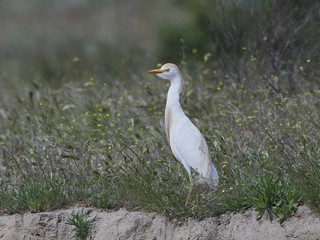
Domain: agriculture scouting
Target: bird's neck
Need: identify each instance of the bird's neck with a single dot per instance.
(173, 105)
(174, 91)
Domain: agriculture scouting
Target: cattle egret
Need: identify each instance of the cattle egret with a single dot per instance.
(187, 143)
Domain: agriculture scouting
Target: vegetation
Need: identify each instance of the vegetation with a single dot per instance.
(81, 225)
(105, 146)
(99, 141)
(272, 32)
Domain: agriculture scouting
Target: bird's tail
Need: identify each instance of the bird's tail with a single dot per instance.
(213, 179)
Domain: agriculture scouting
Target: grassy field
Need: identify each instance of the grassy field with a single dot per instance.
(82, 122)
(100, 142)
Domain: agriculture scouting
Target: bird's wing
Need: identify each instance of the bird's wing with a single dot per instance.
(189, 147)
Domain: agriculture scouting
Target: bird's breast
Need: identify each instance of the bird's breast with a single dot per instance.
(168, 121)
(174, 117)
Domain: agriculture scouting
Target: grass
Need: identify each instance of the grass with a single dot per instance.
(101, 143)
(80, 223)
(274, 198)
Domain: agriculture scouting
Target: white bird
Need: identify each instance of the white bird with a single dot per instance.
(187, 143)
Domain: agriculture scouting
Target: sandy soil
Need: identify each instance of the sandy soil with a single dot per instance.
(122, 224)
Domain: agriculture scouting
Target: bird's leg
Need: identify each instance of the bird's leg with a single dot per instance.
(190, 190)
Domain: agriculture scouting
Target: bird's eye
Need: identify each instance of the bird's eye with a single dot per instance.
(166, 70)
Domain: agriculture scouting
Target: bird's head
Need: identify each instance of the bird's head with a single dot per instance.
(168, 71)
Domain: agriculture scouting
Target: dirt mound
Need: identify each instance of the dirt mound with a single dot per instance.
(122, 224)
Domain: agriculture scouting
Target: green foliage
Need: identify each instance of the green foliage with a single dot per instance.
(274, 197)
(266, 197)
(303, 165)
(104, 145)
(266, 37)
(80, 224)
(34, 195)
(100, 197)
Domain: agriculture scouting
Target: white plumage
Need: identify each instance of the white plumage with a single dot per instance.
(187, 143)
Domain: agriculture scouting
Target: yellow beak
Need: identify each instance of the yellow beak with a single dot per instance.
(157, 71)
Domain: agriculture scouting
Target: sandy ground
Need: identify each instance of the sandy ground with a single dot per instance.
(122, 224)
